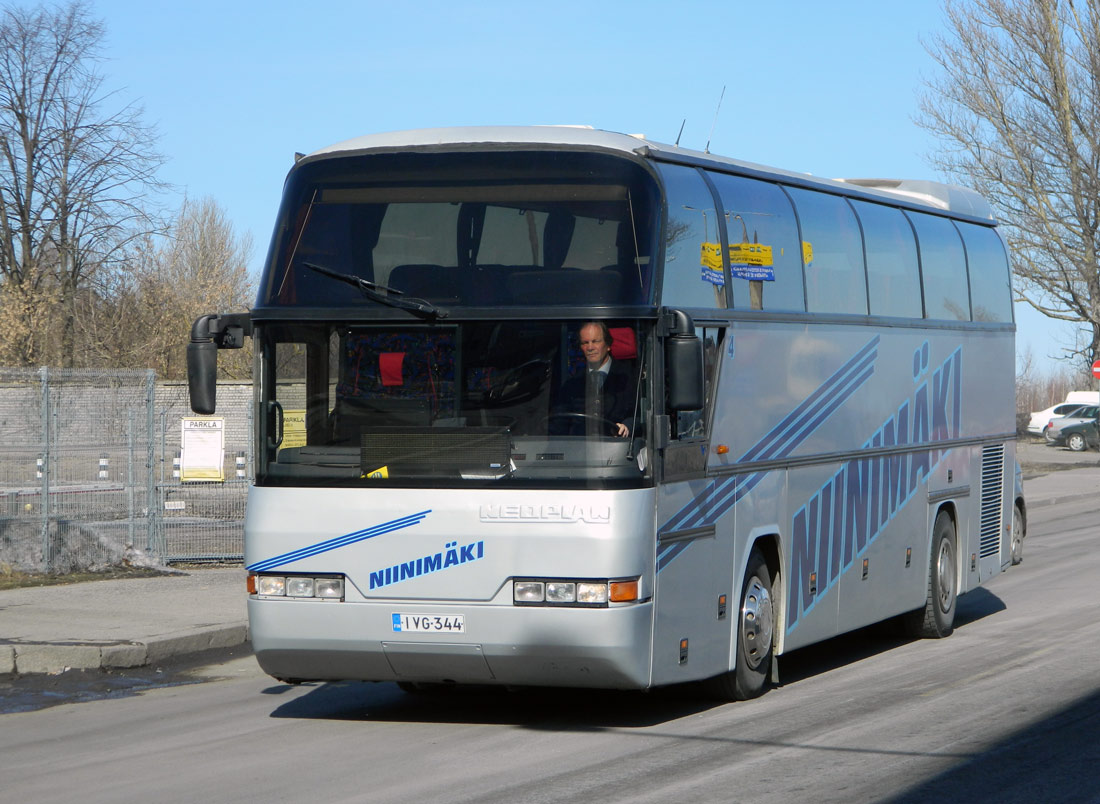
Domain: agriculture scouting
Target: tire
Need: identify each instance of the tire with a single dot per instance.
(1076, 442)
(1018, 531)
(755, 636)
(937, 619)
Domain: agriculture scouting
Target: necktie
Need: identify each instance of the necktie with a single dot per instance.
(593, 403)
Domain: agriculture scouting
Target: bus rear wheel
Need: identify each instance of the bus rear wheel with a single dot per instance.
(937, 619)
(1017, 534)
(755, 636)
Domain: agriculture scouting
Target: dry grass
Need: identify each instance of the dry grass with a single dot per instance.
(15, 579)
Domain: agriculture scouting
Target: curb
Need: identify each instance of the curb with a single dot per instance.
(56, 658)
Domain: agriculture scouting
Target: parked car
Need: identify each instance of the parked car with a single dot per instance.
(1053, 431)
(1040, 418)
(1079, 437)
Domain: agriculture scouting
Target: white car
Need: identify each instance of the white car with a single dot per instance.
(1040, 419)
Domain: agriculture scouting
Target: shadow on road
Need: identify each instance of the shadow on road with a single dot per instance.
(575, 709)
(1053, 759)
(538, 708)
(977, 605)
(876, 639)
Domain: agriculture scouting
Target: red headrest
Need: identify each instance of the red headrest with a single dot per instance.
(389, 367)
(623, 344)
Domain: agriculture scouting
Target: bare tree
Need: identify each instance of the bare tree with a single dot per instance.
(110, 316)
(28, 320)
(77, 169)
(1016, 107)
(201, 267)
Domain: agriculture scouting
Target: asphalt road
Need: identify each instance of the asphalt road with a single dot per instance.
(1005, 710)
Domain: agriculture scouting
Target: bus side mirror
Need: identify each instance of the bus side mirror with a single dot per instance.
(208, 334)
(684, 365)
(202, 366)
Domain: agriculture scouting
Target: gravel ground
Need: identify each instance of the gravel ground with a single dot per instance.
(1036, 458)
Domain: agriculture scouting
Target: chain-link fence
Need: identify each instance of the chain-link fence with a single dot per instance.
(203, 521)
(89, 472)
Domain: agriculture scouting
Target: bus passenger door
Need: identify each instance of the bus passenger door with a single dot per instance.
(693, 600)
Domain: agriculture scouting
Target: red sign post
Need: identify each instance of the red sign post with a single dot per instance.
(1096, 369)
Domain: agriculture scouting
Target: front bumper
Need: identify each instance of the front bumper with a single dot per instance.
(502, 644)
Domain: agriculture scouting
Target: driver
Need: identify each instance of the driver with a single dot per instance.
(604, 392)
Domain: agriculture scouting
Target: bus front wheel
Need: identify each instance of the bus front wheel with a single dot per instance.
(755, 636)
(937, 619)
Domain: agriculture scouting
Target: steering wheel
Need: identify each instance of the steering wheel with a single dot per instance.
(587, 418)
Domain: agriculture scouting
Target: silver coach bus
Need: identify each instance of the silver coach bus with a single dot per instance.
(805, 423)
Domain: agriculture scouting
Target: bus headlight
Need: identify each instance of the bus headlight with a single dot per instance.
(561, 592)
(573, 592)
(529, 592)
(270, 585)
(592, 593)
(329, 588)
(301, 587)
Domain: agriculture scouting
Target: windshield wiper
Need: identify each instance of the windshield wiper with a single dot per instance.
(372, 290)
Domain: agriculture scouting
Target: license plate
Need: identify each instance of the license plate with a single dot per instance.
(429, 623)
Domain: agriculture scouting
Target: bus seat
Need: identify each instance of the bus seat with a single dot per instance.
(409, 365)
(631, 290)
(565, 286)
(557, 236)
(487, 284)
(432, 282)
(393, 379)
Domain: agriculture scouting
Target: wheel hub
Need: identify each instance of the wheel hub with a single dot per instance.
(756, 622)
(945, 568)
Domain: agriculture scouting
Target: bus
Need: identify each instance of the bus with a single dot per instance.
(807, 425)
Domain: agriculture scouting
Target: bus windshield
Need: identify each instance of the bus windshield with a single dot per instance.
(514, 231)
(454, 403)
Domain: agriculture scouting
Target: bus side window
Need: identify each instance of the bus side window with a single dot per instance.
(693, 423)
(836, 281)
(943, 267)
(759, 213)
(892, 272)
(692, 227)
(990, 287)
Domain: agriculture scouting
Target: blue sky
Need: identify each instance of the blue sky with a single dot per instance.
(235, 87)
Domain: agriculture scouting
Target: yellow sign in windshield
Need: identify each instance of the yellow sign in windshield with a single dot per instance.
(750, 254)
(747, 260)
(294, 429)
(711, 256)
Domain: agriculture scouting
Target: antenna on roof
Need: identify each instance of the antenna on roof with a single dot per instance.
(712, 125)
(681, 133)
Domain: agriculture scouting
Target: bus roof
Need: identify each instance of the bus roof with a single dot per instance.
(946, 197)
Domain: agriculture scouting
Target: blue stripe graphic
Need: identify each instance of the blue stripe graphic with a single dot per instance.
(339, 541)
(783, 439)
